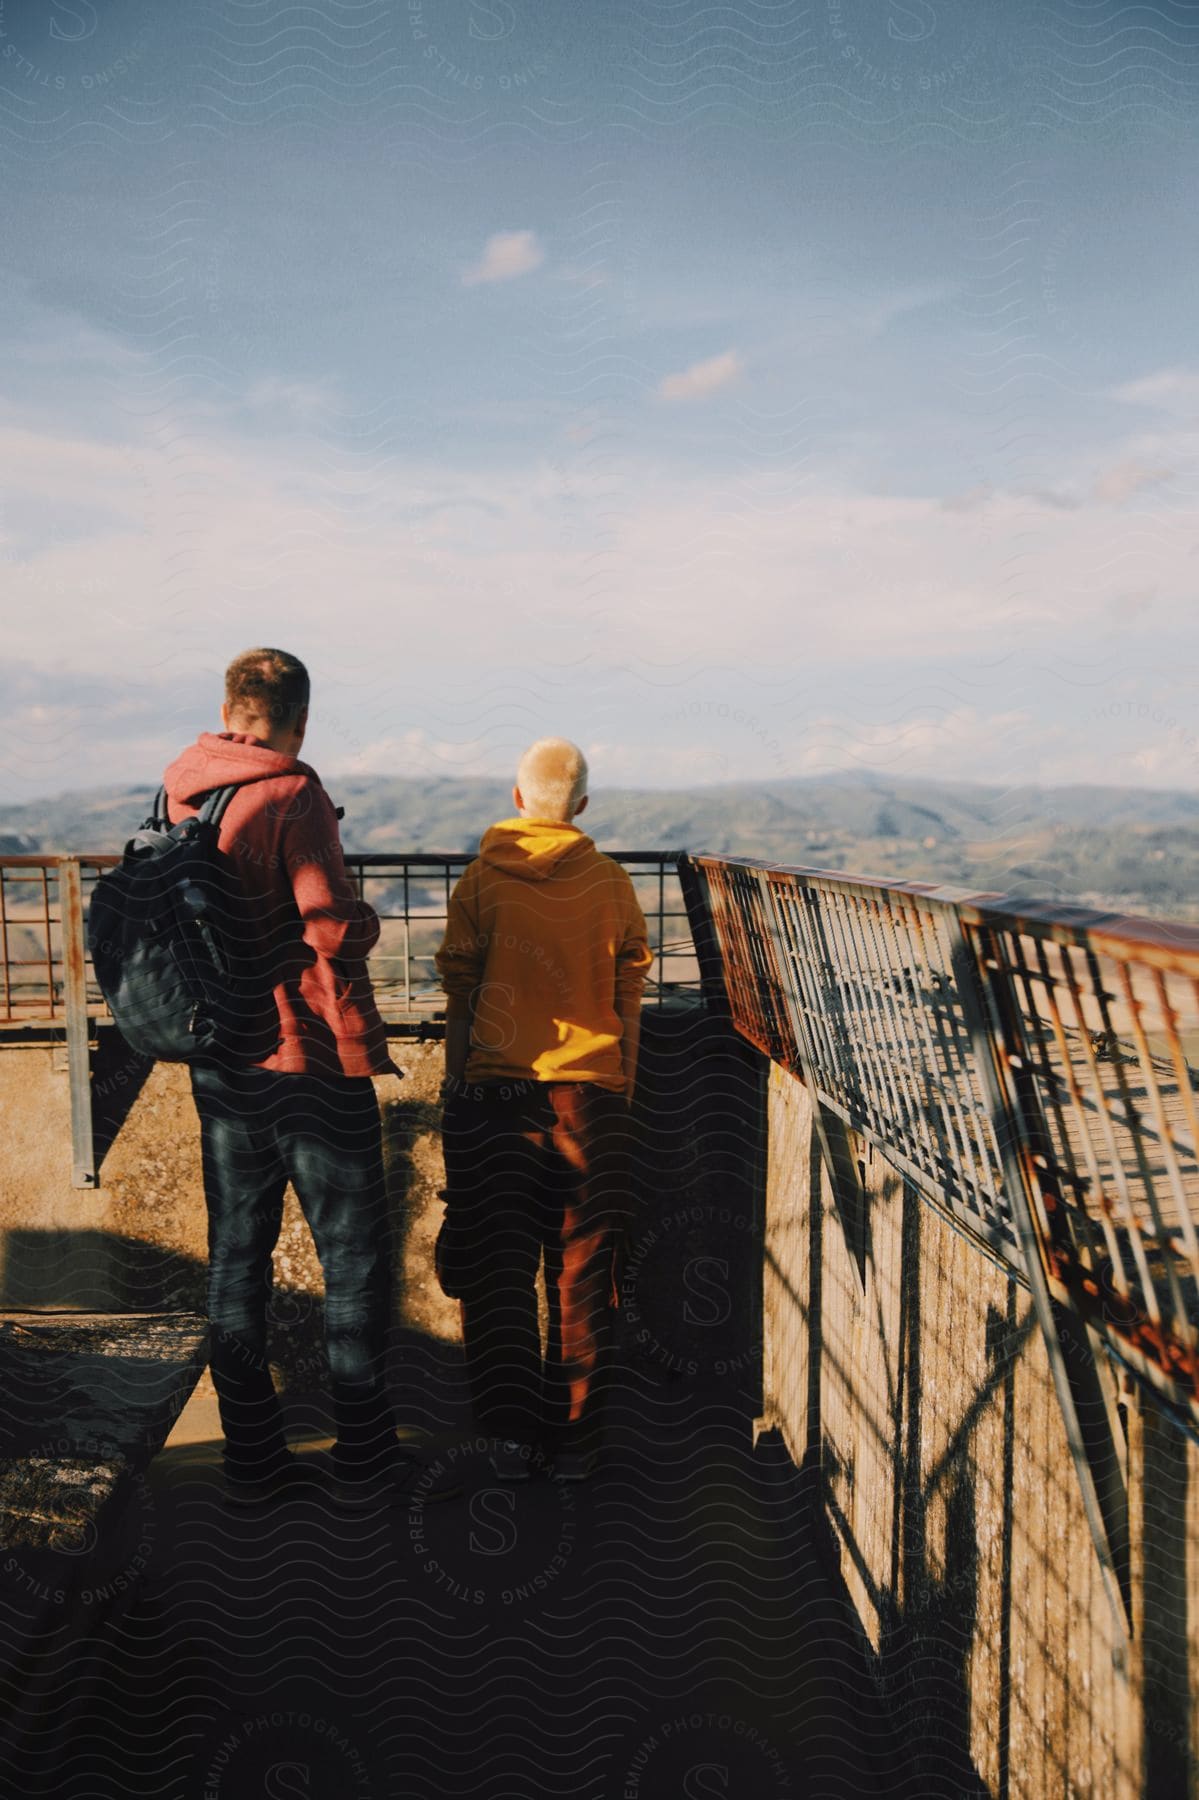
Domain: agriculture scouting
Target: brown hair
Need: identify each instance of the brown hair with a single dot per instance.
(267, 684)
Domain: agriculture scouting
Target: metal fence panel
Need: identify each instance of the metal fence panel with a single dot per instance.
(410, 892)
(1012, 1061)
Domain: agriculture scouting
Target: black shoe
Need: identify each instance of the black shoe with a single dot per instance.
(385, 1478)
(248, 1485)
(574, 1465)
(511, 1461)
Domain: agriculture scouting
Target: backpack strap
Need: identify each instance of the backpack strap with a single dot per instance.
(213, 809)
(157, 819)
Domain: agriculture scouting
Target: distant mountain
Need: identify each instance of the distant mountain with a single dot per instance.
(1130, 848)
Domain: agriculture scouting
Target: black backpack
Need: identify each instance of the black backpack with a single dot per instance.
(174, 948)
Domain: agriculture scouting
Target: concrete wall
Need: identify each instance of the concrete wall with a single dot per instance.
(907, 1373)
(139, 1240)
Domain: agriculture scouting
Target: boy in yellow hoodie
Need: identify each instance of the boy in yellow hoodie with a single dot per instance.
(544, 959)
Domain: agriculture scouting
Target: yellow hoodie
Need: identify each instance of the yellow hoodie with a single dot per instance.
(545, 933)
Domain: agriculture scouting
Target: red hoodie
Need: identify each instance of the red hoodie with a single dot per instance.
(280, 830)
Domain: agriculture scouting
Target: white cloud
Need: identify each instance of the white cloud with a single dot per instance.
(1167, 390)
(654, 569)
(1169, 764)
(505, 256)
(701, 377)
(591, 275)
(883, 312)
(1112, 487)
(506, 608)
(73, 467)
(962, 741)
(970, 499)
(1057, 498)
(673, 765)
(414, 755)
(300, 400)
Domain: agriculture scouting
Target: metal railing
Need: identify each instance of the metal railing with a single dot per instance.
(410, 893)
(1029, 1071)
(42, 926)
(41, 929)
(47, 982)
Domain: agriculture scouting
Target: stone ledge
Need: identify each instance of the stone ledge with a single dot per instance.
(86, 1399)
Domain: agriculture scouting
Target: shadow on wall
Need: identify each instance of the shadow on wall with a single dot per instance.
(118, 1077)
(100, 1272)
(96, 1271)
(928, 1618)
(928, 1607)
(945, 1503)
(105, 1270)
(1165, 1634)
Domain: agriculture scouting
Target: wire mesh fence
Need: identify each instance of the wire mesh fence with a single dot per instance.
(1030, 1070)
(409, 891)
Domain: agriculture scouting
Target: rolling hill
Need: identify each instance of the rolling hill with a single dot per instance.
(1134, 849)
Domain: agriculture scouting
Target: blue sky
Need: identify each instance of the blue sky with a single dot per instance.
(747, 392)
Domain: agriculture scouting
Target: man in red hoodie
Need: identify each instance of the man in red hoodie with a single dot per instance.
(304, 1109)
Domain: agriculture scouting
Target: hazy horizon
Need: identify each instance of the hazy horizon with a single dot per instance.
(677, 787)
(1134, 849)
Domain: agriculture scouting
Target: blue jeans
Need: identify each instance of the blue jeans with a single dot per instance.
(258, 1131)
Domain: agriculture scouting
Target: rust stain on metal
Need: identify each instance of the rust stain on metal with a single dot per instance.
(1091, 1015)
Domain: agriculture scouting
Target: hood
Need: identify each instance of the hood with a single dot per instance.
(218, 759)
(532, 848)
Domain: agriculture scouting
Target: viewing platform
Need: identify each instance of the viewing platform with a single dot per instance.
(903, 1494)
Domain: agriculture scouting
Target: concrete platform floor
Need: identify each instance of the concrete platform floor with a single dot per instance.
(663, 1630)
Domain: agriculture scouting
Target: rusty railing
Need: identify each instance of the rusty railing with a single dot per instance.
(1029, 1071)
(43, 903)
(47, 982)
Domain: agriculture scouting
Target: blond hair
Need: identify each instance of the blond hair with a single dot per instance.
(552, 778)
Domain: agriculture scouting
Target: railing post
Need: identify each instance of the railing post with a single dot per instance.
(843, 1185)
(70, 902)
(694, 886)
(1081, 1383)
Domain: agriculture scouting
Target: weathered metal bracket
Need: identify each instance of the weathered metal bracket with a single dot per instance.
(70, 899)
(703, 934)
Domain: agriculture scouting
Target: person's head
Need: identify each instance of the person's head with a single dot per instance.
(266, 695)
(551, 782)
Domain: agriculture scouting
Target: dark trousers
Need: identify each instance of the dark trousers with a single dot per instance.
(258, 1131)
(538, 1174)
